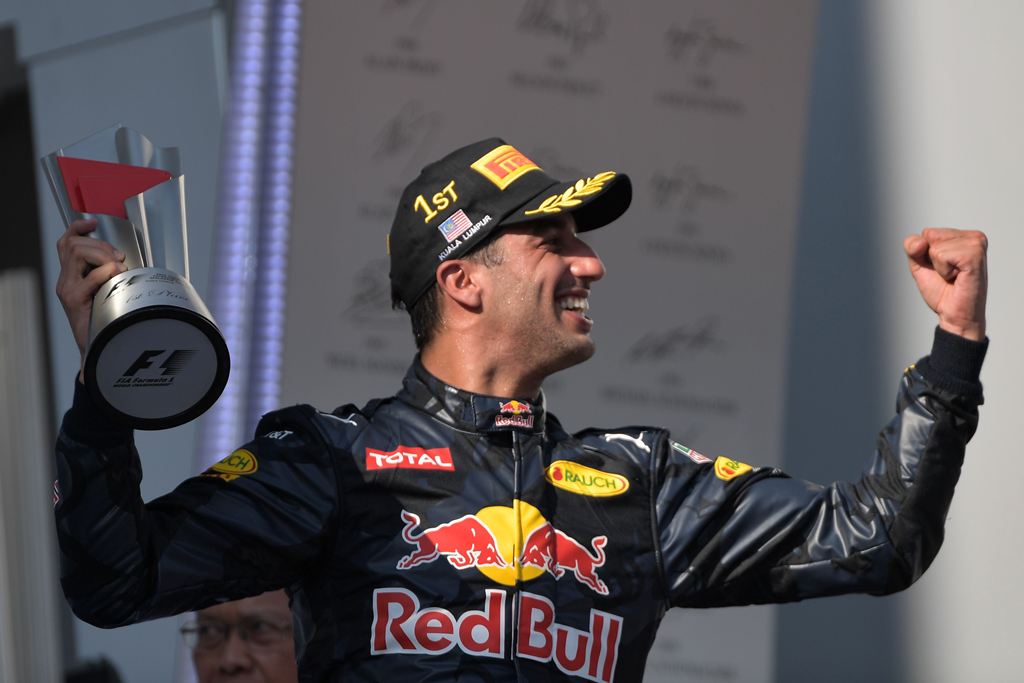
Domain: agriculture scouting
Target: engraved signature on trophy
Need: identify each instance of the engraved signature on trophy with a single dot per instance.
(370, 302)
(684, 188)
(577, 23)
(687, 339)
(407, 132)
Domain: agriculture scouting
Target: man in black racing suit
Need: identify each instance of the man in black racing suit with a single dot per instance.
(455, 530)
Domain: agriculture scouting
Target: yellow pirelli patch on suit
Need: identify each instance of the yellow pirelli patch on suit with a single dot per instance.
(239, 463)
(727, 469)
(586, 481)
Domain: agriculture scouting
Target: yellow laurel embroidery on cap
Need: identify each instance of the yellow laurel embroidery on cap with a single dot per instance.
(503, 165)
(570, 198)
(727, 469)
(586, 481)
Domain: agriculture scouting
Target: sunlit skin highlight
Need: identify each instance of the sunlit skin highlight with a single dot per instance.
(504, 329)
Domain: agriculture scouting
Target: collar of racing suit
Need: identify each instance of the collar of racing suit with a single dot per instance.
(468, 411)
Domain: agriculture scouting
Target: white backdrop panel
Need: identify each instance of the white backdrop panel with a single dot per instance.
(702, 104)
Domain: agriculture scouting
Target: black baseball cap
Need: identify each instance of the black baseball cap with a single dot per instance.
(456, 202)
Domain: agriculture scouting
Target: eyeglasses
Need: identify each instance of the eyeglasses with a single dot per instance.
(209, 635)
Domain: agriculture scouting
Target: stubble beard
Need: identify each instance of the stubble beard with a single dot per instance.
(558, 350)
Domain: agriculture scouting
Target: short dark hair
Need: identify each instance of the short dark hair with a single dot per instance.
(425, 314)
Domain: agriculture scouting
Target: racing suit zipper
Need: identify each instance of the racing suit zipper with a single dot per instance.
(517, 548)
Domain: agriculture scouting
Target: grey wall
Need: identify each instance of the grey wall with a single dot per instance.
(838, 394)
(158, 67)
(915, 122)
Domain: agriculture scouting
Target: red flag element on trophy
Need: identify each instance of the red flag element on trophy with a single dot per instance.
(101, 186)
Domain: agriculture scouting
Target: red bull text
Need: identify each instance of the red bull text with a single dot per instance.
(401, 626)
(514, 414)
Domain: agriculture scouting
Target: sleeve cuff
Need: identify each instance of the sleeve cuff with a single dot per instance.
(955, 364)
(85, 422)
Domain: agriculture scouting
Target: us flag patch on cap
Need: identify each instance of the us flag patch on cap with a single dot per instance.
(455, 225)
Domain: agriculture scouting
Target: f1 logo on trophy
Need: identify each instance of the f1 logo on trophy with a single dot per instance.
(155, 358)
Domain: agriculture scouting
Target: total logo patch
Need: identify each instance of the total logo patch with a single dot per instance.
(410, 458)
(239, 463)
(586, 481)
(727, 469)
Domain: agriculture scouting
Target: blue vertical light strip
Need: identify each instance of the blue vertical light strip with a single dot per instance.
(234, 272)
(275, 211)
(244, 209)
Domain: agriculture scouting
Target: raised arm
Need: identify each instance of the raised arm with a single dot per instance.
(753, 535)
(254, 522)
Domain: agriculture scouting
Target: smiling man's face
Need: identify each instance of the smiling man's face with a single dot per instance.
(537, 297)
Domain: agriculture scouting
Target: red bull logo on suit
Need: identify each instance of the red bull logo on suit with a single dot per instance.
(514, 414)
(487, 541)
(402, 626)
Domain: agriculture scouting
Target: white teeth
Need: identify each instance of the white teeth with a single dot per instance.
(575, 303)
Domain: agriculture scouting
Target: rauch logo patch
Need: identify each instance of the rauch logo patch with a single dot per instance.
(239, 463)
(584, 480)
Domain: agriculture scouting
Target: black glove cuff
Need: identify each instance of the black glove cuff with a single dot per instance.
(955, 363)
(85, 422)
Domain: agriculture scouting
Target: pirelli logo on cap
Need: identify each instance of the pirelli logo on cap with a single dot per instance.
(503, 165)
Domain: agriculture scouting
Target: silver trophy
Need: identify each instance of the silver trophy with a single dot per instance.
(155, 358)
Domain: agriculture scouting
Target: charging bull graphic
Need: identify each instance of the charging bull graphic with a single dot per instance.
(555, 551)
(466, 542)
(471, 542)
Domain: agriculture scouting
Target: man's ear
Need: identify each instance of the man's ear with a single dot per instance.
(460, 280)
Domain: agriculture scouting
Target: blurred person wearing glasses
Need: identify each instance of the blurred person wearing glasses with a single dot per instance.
(244, 640)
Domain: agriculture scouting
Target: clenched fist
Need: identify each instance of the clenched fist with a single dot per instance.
(950, 269)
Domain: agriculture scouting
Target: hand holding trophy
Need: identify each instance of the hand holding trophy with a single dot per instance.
(155, 357)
